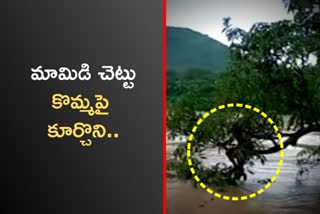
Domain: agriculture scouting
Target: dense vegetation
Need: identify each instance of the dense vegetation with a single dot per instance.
(193, 82)
(273, 66)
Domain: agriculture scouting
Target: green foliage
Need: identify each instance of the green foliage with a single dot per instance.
(272, 62)
(195, 85)
(218, 174)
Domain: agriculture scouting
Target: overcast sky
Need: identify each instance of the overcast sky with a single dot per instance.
(206, 16)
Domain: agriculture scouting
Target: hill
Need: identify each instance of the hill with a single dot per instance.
(188, 49)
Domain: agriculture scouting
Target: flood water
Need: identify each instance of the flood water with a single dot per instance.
(286, 195)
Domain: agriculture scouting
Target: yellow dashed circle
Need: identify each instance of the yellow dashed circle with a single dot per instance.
(211, 191)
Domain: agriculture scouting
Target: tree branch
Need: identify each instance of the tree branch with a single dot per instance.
(292, 140)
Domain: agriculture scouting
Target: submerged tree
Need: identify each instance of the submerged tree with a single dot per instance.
(274, 66)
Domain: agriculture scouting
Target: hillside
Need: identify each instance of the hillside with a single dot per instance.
(190, 49)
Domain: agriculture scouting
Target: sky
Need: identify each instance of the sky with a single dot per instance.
(206, 16)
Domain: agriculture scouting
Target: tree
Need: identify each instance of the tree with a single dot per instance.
(271, 67)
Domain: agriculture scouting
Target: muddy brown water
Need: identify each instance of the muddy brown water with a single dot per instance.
(284, 196)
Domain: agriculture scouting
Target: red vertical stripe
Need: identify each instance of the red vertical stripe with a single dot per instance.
(164, 106)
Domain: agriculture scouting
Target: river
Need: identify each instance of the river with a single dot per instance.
(284, 196)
